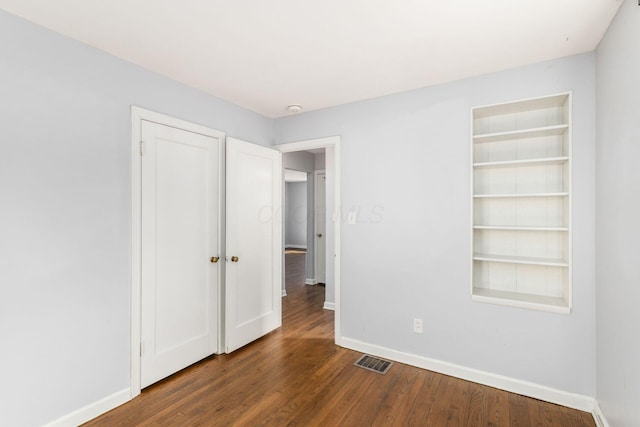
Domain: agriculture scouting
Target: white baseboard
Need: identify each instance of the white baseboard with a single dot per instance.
(329, 305)
(598, 416)
(310, 282)
(92, 410)
(295, 246)
(284, 293)
(525, 388)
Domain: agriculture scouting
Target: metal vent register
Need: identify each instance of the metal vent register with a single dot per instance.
(374, 364)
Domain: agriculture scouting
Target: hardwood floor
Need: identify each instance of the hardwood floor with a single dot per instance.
(296, 376)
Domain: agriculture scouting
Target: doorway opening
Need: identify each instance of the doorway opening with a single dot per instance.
(298, 220)
(319, 160)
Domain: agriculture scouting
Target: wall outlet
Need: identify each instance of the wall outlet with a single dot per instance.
(417, 326)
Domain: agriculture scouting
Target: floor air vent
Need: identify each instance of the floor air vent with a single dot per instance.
(374, 364)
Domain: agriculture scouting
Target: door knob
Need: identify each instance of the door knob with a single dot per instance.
(235, 259)
(319, 235)
(214, 259)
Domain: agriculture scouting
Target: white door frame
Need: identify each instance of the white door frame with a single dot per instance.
(137, 116)
(328, 142)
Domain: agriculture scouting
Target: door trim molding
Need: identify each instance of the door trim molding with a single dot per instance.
(334, 143)
(137, 116)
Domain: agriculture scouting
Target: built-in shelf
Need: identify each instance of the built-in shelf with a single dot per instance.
(522, 133)
(550, 262)
(519, 228)
(529, 162)
(521, 180)
(515, 299)
(480, 196)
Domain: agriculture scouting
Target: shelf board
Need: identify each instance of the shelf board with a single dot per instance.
(550, 262)
(521, 105)
(516, 299)
(528, 162)
(486, 196)
(519, 228)
(521, 134)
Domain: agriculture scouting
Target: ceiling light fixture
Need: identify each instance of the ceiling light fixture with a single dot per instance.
(294, 108)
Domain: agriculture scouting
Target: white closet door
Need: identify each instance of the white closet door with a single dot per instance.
(253, 305)
(179, 237)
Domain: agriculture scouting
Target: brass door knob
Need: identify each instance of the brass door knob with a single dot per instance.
(234, 259)
(214, 259)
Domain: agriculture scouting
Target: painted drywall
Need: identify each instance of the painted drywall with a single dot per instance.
(299, 161)
(66, 214)
(618, 213)
(320, 161)
(295, 214)
(406, 170)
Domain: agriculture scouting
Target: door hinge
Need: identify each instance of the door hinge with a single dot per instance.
(142, 148)
(141, 348)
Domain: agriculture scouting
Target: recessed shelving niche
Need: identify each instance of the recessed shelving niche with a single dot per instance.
(521, 183)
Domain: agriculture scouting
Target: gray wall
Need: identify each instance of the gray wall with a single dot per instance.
(408, 256)
(65, 233)
(618, 215)
(295, 214)
(298, 161)
(320, 161)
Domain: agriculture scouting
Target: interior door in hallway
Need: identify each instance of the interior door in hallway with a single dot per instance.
(320, 236)
(253, 301)
(179, 295)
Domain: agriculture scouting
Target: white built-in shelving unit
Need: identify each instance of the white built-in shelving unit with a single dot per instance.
(521, 221)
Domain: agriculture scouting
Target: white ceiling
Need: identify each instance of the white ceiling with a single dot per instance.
(267, 54)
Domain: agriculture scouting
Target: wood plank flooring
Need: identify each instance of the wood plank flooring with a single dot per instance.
(296, 376)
